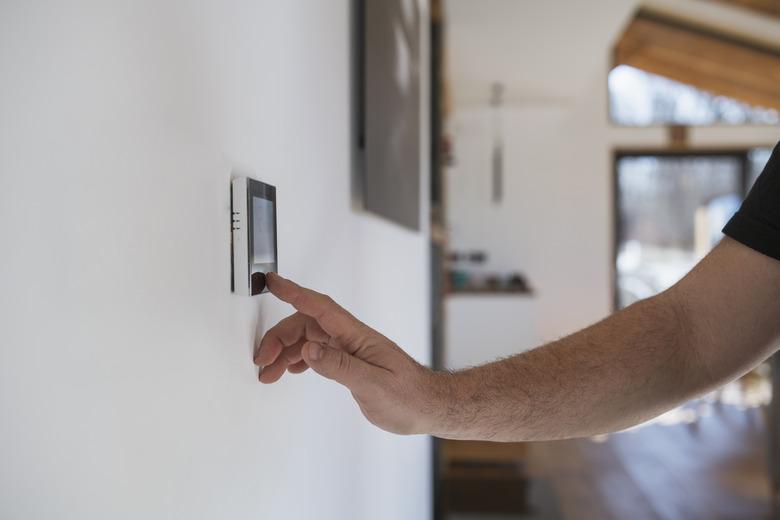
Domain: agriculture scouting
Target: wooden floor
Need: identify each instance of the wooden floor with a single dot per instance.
(712, 469)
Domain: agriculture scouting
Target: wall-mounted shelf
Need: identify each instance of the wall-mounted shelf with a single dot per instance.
(529, 293)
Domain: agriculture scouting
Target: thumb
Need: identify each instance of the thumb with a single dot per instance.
(335, 364)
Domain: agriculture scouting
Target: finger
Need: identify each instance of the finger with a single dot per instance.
(293, 354)
(290, 360)
(286, 333)
(339, 366)
(273, 372)
(333, 318)
(298, 367)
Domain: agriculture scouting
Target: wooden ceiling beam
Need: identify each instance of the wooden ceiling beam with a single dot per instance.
(770, 7)
(711, 62)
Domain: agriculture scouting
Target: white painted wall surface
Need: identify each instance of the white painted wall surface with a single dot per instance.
(485, 327)
(126, 383)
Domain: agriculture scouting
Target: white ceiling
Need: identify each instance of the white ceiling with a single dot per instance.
(546, 51)
(543, 51)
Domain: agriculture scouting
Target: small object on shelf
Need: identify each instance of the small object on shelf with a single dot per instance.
(453, 256)
(474, 257)
(459, 280)
(477, 257)
(493, 282)
(517, 282)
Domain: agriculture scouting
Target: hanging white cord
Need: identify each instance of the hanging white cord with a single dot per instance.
(497, 157)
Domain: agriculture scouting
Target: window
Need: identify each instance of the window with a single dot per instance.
(757, 160)
(639, 98)
(670, 210)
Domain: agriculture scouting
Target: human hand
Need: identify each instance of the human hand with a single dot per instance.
(393, 391)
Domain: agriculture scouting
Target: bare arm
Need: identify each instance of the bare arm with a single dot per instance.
(710, 328)
(713, 326)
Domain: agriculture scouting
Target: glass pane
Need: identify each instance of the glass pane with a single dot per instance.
(757, 160)
(671, 212)
(638, 98)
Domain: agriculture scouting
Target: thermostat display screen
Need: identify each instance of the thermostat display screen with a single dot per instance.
(263, 236)
(253, 235)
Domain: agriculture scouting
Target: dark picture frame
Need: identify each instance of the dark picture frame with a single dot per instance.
(386, 169)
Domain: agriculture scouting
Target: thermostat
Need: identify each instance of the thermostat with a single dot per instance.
(253, 209)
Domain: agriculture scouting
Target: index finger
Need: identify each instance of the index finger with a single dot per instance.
(334, 319)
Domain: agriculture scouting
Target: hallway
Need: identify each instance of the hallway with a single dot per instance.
(713, 468)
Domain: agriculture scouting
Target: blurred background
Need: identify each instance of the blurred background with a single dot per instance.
(590, 155)
(472, 178)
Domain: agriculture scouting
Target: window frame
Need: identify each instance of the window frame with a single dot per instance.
(742, 154)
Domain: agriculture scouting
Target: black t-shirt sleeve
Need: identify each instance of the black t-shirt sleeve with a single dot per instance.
(757, 223)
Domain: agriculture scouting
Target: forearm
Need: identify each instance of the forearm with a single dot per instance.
(612, 375)
(717, 323)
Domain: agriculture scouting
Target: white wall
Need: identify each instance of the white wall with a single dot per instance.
(482, 327)
(556, 222)
(126, 383)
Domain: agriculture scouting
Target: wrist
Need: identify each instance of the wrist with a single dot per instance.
(439, 403)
